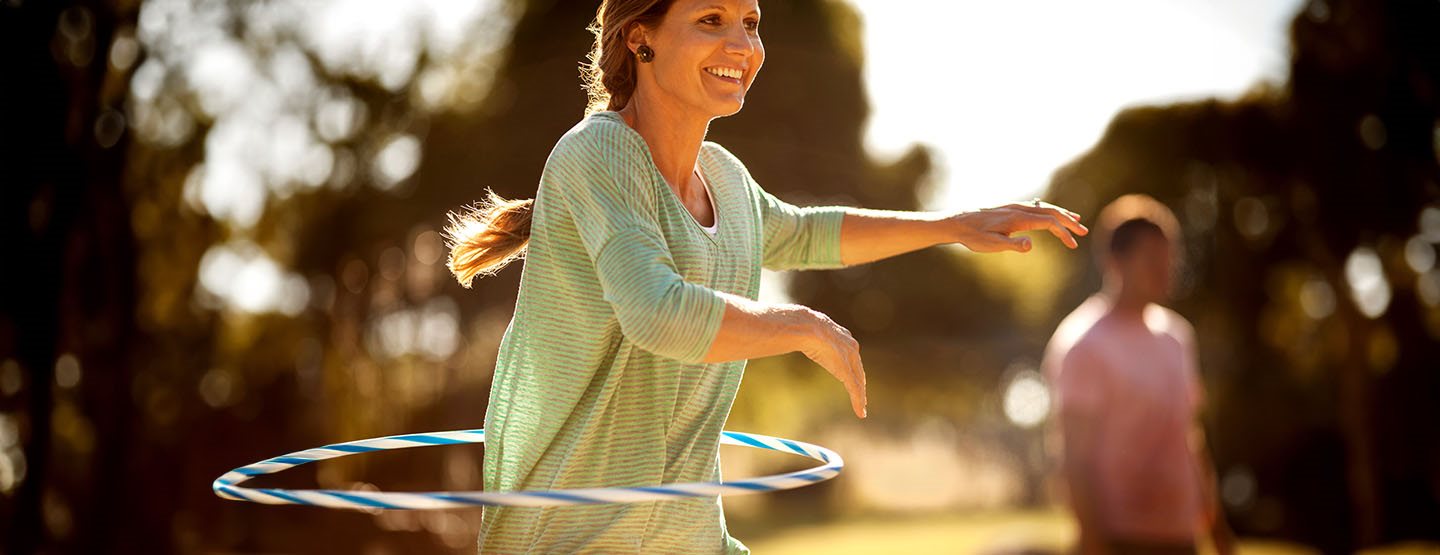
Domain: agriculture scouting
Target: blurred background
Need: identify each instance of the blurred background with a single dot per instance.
(220, 244)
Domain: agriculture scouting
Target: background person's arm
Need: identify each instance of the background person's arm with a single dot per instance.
(1212, 514)
(1080, 396)
(1212, 517)
(1079, 469)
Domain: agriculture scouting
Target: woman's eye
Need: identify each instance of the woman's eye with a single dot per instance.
(711, 19)
(752, 25)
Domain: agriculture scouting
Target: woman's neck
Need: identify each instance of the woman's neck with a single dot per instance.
(673, 133)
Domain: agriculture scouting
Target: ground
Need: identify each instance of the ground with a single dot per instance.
(990, 533)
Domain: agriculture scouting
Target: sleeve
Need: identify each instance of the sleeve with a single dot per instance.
(1195, 387)
(1080, 383)
(799, 238)
(592, 174)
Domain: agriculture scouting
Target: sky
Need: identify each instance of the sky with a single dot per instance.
(1008, 92)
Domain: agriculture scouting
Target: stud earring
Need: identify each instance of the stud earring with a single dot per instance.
(645, 54)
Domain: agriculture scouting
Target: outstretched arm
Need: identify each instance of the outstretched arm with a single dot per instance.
(869, 235)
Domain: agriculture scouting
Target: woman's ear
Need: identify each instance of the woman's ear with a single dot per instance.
(635, 36)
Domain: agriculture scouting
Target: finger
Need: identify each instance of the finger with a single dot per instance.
(1073, 214)
(1059, 231)
(1067, 218)
(843, 370)
(1071, 220)
(851, 374)
(853, 389)
(1017, 244)
(857, 401)
(850, 378)
(864, 395)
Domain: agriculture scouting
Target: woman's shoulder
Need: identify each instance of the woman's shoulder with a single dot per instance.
(721, 153)
(725, 158)
(600, 134)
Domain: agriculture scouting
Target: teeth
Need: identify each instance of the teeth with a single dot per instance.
(725, 72)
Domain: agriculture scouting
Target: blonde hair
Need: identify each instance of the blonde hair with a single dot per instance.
(609, 77)
(487, 236)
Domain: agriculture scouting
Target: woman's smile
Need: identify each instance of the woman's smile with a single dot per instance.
(726, 73)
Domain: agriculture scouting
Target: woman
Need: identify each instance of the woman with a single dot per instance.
(637, 311)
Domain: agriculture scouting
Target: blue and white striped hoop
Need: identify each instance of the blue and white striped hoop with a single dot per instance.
(228, 485)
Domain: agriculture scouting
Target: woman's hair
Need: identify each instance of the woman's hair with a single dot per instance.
(609, 77)
(485, 237)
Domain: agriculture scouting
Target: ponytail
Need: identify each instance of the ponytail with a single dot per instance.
(486, 237)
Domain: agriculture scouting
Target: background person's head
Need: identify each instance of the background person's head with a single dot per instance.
(1137, 248)
(706, 54)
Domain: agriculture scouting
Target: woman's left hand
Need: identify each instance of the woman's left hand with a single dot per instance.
(990, 229)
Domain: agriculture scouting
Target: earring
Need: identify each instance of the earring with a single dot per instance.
(645, 54)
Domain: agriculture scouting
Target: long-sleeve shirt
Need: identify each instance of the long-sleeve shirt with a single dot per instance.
(599, 380)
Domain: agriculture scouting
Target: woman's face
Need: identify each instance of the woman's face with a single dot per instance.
(707, 53)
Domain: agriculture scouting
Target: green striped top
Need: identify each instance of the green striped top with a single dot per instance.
(599, 380)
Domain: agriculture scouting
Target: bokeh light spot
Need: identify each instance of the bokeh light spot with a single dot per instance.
(1430, 224)
(108, 128)
(392, 263)
(244, 278)
(12, 458)
(220, 388)
(1027, 399)
(1366, 278)
(429, 247)
(1382, 350)
(1372, 132)
(67, 371)
(1252, 219)
(355, 275)
(1238, 487)
(396, 161)
(1427, 287)
(123, 52)
(10, 377)
(338, 116)
(1419, 254)
(1317, 298)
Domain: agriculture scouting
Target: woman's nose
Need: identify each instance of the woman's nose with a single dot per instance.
(740, 42)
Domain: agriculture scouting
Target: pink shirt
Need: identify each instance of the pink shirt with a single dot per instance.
(1139, 385)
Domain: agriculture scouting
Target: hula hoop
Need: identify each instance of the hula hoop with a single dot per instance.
(227, 485)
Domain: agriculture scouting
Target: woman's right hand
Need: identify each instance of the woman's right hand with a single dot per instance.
(752, 329)
(832, 347)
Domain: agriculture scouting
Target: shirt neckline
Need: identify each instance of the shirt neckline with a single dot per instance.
(655, 170)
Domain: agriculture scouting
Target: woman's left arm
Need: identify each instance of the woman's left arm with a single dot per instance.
(868, 235)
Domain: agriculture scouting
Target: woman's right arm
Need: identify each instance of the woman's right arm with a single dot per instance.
(752, 329)
(592, 175)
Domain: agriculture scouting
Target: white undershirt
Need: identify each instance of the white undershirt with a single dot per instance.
(714, 213)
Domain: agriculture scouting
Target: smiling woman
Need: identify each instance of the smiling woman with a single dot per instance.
(634, 322)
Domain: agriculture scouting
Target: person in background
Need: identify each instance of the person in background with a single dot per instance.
(1127, 387)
